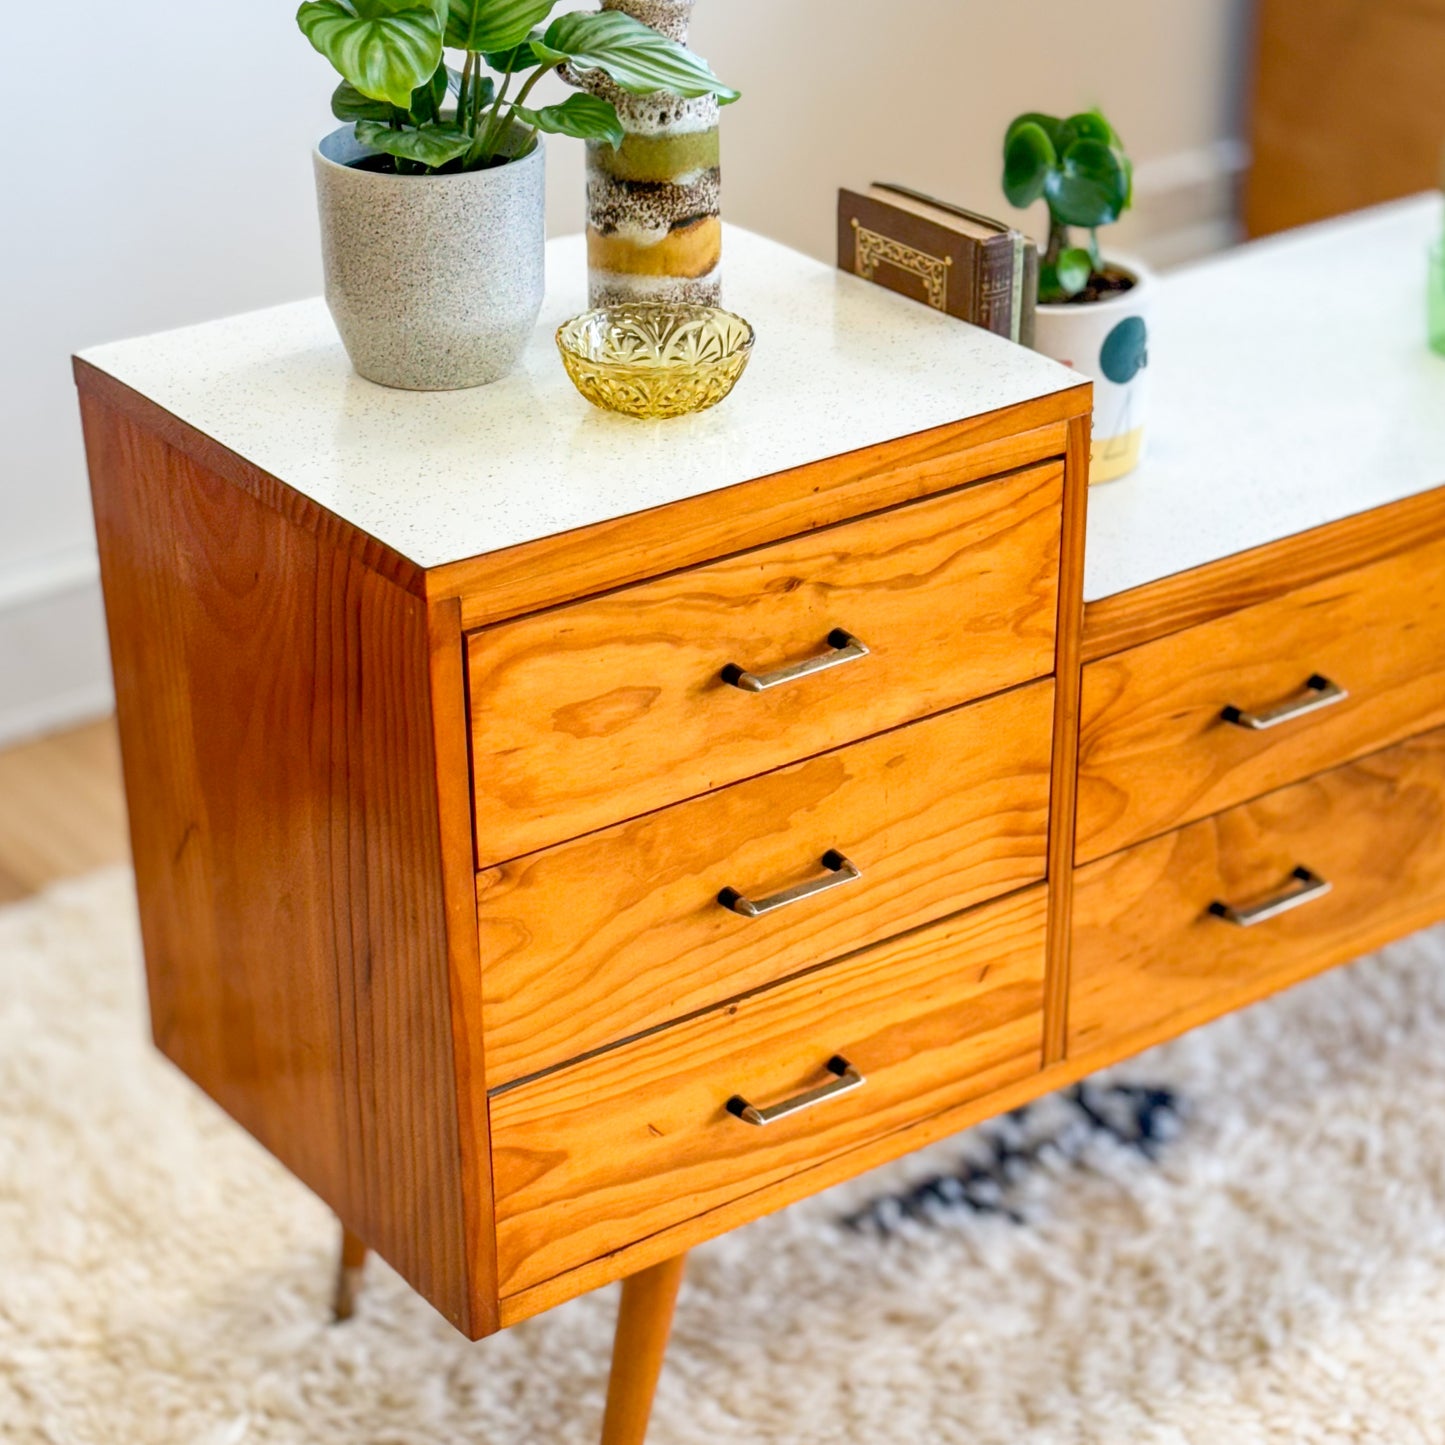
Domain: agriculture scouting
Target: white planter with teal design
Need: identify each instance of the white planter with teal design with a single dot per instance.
(1108, 341)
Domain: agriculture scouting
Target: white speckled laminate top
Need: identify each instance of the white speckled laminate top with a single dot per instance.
(839, 364)
(1292, 386)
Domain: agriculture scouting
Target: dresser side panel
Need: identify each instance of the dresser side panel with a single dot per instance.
(451, 730)
(1064, 785)
(273, 695)
(210, 454)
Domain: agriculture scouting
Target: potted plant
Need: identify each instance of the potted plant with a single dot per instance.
(431, 195)
(1092, 312)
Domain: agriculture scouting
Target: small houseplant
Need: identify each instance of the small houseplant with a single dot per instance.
(431, 195)
(1093, 312)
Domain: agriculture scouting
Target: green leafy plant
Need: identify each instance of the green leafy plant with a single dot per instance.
(409, 104)
(1079, 167)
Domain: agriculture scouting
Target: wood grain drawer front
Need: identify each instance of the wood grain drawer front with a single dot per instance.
(605, 709)
(1149, 957)
(1155, 747)
(609, 1151)
(596, 939)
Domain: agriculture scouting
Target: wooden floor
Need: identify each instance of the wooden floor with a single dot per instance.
(62, 809)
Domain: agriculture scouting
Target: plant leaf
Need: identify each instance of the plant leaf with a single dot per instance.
(1060, 132)
(524, 56)
(426, 99)
(1089, 187)
(635, 56)
(491, 25)
(348, 103)
(588, 117)
(385, 48)
(429, 145)
(1074, 269)
(1091, 125)
(1046, 123)
(484, 90)
(1051, 286)
(1028, 157)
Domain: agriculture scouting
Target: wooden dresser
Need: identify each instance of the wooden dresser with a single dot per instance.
(561, 840)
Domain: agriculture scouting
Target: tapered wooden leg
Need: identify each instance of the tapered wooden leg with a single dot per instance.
(349, 1270)
(644, 1322)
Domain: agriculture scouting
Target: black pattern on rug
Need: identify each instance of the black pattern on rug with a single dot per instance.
(1048, 1134)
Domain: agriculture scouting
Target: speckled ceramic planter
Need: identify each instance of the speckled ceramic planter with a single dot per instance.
(1108, 341)
(654, 231)
(434, 282)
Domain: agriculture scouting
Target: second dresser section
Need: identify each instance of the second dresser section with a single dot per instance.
(593, 1157)
(1195, 722)
(602, 710)
(1202, 920)
(608, 935)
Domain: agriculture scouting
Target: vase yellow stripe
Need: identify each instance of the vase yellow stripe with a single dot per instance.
(688, 251)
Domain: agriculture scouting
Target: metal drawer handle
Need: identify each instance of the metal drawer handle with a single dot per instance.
(1301, 889)
(1319, 692)
(840, 871)
(845, 1077)
(844, 647)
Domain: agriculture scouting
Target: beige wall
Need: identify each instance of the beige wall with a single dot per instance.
(921, 91)
(180, 189)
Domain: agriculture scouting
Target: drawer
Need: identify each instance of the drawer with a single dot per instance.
(625, 929)
(1150, 957)
(590, 1158)
(1157, 751)
(606, 709)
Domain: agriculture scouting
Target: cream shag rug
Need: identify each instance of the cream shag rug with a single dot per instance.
(1276, 1274)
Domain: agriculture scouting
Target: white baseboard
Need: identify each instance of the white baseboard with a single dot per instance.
(54, 663)
(1185, 206)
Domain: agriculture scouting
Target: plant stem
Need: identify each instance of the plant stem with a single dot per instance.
(464, 92)
(503, 124)
(1058, 240)
(477, 99)
(483, 145)
(531, 81)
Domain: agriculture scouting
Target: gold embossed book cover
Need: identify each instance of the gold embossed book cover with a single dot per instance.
(943, 255)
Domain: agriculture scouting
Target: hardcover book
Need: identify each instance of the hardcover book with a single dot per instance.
(953, 259)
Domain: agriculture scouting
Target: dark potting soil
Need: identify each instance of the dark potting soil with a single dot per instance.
(1108, 282)
(385, 165)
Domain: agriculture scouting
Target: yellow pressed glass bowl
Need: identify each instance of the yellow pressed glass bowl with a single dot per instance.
(655, 359)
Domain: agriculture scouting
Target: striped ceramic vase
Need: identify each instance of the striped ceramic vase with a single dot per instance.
(653, 229)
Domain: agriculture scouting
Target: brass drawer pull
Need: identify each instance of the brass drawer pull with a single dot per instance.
(844, 647)
(840, 871)
(1301, 889)
(1319, 692)
(845, 1078)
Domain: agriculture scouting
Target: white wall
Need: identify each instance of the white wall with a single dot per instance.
(162, 176)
